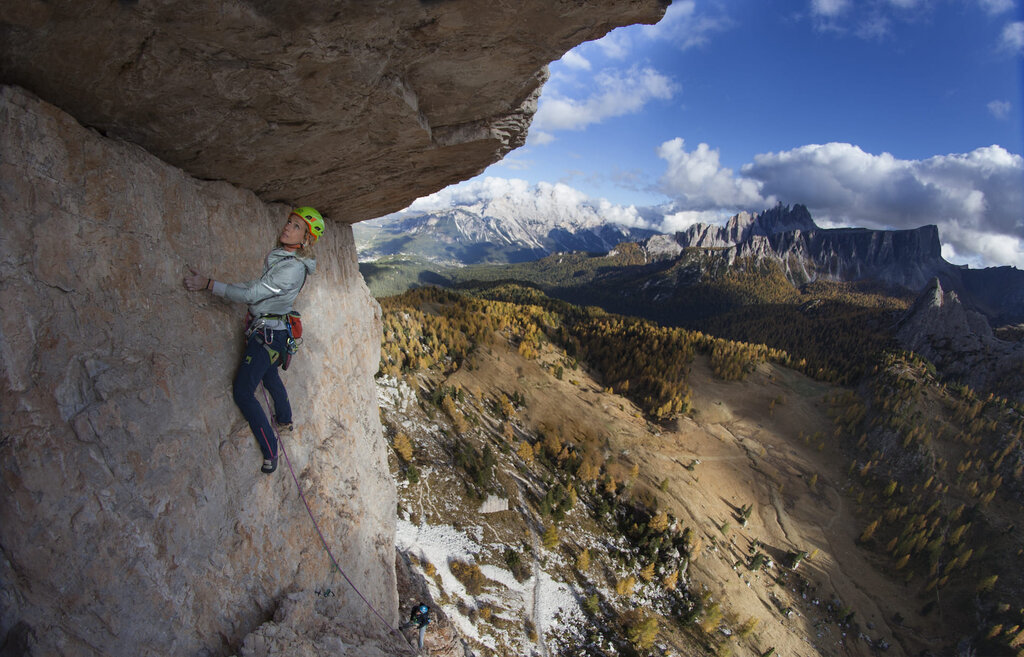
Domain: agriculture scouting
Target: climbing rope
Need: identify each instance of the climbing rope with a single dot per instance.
(323, 539)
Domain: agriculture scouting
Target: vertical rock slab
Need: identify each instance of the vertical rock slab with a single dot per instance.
(133, 516)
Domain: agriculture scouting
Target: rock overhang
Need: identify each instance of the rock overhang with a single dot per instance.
(355, 107)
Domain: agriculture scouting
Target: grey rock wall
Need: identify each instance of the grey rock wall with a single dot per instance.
(133, 518)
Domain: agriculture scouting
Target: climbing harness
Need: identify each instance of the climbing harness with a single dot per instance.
(293, 324)
(323, 539)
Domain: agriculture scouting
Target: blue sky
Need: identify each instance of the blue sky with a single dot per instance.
(876, 113)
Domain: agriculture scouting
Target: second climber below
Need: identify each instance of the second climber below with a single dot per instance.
(270, 299)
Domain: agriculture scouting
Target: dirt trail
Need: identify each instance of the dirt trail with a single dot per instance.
(536, 595)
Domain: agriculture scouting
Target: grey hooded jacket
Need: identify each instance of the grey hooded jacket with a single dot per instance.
(274, 292)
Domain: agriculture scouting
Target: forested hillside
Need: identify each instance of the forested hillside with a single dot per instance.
(604, 435)
(833, 331)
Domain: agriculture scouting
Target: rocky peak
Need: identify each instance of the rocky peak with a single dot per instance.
(960, 342)
(743, 226)
(782, 219)
(907, 258)
(779, 219)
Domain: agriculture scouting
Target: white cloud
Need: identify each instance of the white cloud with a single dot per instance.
(874, 28)
(996, 6)
(680, 221)
(616, 44)
(882, 19)
(976, 198)
(697, 181)
(828, 8)
(685, 27)
(573, 59)
(1012, 38)
(539, 137)
(470, 192)
(984, 250)
(617, 93)
(999, 108)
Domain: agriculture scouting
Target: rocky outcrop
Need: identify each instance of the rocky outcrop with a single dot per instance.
(355, 107)
(907, 258)
(661, 246)
(961, 344)
(133, 518)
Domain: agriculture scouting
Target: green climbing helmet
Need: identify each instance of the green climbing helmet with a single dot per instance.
(313, 219)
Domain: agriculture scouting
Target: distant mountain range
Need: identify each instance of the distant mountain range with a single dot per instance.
(496, 231)
(501, 231)
(908, 259)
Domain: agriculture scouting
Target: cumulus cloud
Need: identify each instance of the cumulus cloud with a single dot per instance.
(1012, 38)
(697, 181)
(617, 93)
(999, 109)
(470, 192)
(976, 198)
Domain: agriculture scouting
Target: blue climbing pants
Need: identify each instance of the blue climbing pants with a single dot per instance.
(259, 364)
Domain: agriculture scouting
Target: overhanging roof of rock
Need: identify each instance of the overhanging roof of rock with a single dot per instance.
(356, 107)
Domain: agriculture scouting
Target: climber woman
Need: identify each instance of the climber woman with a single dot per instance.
(270, 298)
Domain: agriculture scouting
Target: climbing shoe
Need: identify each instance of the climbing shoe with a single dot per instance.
(286, 429)
(269, 465)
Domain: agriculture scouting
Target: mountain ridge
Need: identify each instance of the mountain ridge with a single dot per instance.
(492, 232)
(501, 231)
(908, 258)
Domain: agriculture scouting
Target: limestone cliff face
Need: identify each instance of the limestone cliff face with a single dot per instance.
(133, 517)
(907, 258)
(356, 107)
(903, 258)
